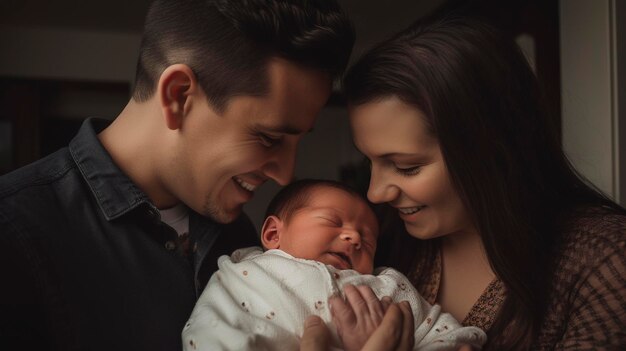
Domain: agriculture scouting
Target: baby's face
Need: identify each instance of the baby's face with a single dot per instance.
(334, 228)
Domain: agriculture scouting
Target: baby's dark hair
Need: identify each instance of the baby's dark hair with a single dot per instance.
(297, 194)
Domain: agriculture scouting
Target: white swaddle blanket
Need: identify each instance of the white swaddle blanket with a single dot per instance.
(259, 301)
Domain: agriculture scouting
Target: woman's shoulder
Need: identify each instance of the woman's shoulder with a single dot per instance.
(589, 282)
(592, 239)
(594, 230)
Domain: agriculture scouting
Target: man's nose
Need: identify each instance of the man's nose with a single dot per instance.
(281, 168)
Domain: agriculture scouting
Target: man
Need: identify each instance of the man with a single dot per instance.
(105, 244)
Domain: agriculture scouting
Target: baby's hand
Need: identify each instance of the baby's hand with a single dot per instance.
(358, 317)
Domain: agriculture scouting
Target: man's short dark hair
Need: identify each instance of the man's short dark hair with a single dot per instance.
(227, 43)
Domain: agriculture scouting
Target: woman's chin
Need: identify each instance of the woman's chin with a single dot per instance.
(419, 232)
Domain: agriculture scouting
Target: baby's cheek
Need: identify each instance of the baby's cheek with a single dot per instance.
(369, 265)
(365, 267)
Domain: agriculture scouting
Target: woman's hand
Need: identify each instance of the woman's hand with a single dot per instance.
(395, 333)
(316, 336)
(358, 316)
(366, 323)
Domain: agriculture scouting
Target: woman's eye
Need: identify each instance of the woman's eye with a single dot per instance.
(268, 141)
(409, 171)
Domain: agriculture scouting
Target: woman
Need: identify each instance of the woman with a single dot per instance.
(503, 233)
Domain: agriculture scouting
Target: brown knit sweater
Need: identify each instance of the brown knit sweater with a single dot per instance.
(587, 310)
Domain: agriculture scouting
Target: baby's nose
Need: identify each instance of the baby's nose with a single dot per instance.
(353, 237)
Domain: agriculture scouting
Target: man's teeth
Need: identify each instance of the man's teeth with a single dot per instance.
(411, 210)
(245, 185)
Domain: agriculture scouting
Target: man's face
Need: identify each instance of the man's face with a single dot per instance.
(221, 159)
(335, 228)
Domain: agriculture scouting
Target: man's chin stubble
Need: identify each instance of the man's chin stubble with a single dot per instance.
(217, 214)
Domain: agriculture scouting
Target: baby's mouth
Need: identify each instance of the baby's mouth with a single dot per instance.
(343, 257)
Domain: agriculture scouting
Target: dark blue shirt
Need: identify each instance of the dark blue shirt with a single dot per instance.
(87, 264)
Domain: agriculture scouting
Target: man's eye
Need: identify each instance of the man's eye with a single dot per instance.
(409, 171)
(268, 141)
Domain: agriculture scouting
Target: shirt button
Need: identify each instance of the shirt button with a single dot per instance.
(170, 245)
(195, 247)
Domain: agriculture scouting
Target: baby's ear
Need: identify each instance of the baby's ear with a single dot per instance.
(270, 233)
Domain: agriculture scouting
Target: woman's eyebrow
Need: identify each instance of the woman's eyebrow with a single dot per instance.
(394, 154)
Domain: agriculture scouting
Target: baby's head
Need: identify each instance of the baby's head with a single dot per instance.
(324, 221)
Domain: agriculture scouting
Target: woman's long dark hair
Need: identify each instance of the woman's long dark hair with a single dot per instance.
(502, 151)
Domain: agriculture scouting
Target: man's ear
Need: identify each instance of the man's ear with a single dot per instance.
(176, 84)
(270, 233)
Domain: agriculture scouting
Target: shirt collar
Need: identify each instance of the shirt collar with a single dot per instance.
(114, 192)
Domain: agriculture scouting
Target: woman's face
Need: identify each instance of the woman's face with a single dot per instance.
(408, 169)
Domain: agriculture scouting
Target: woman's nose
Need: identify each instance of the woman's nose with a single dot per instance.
(380, 189)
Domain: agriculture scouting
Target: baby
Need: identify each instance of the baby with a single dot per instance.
(319, 236)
